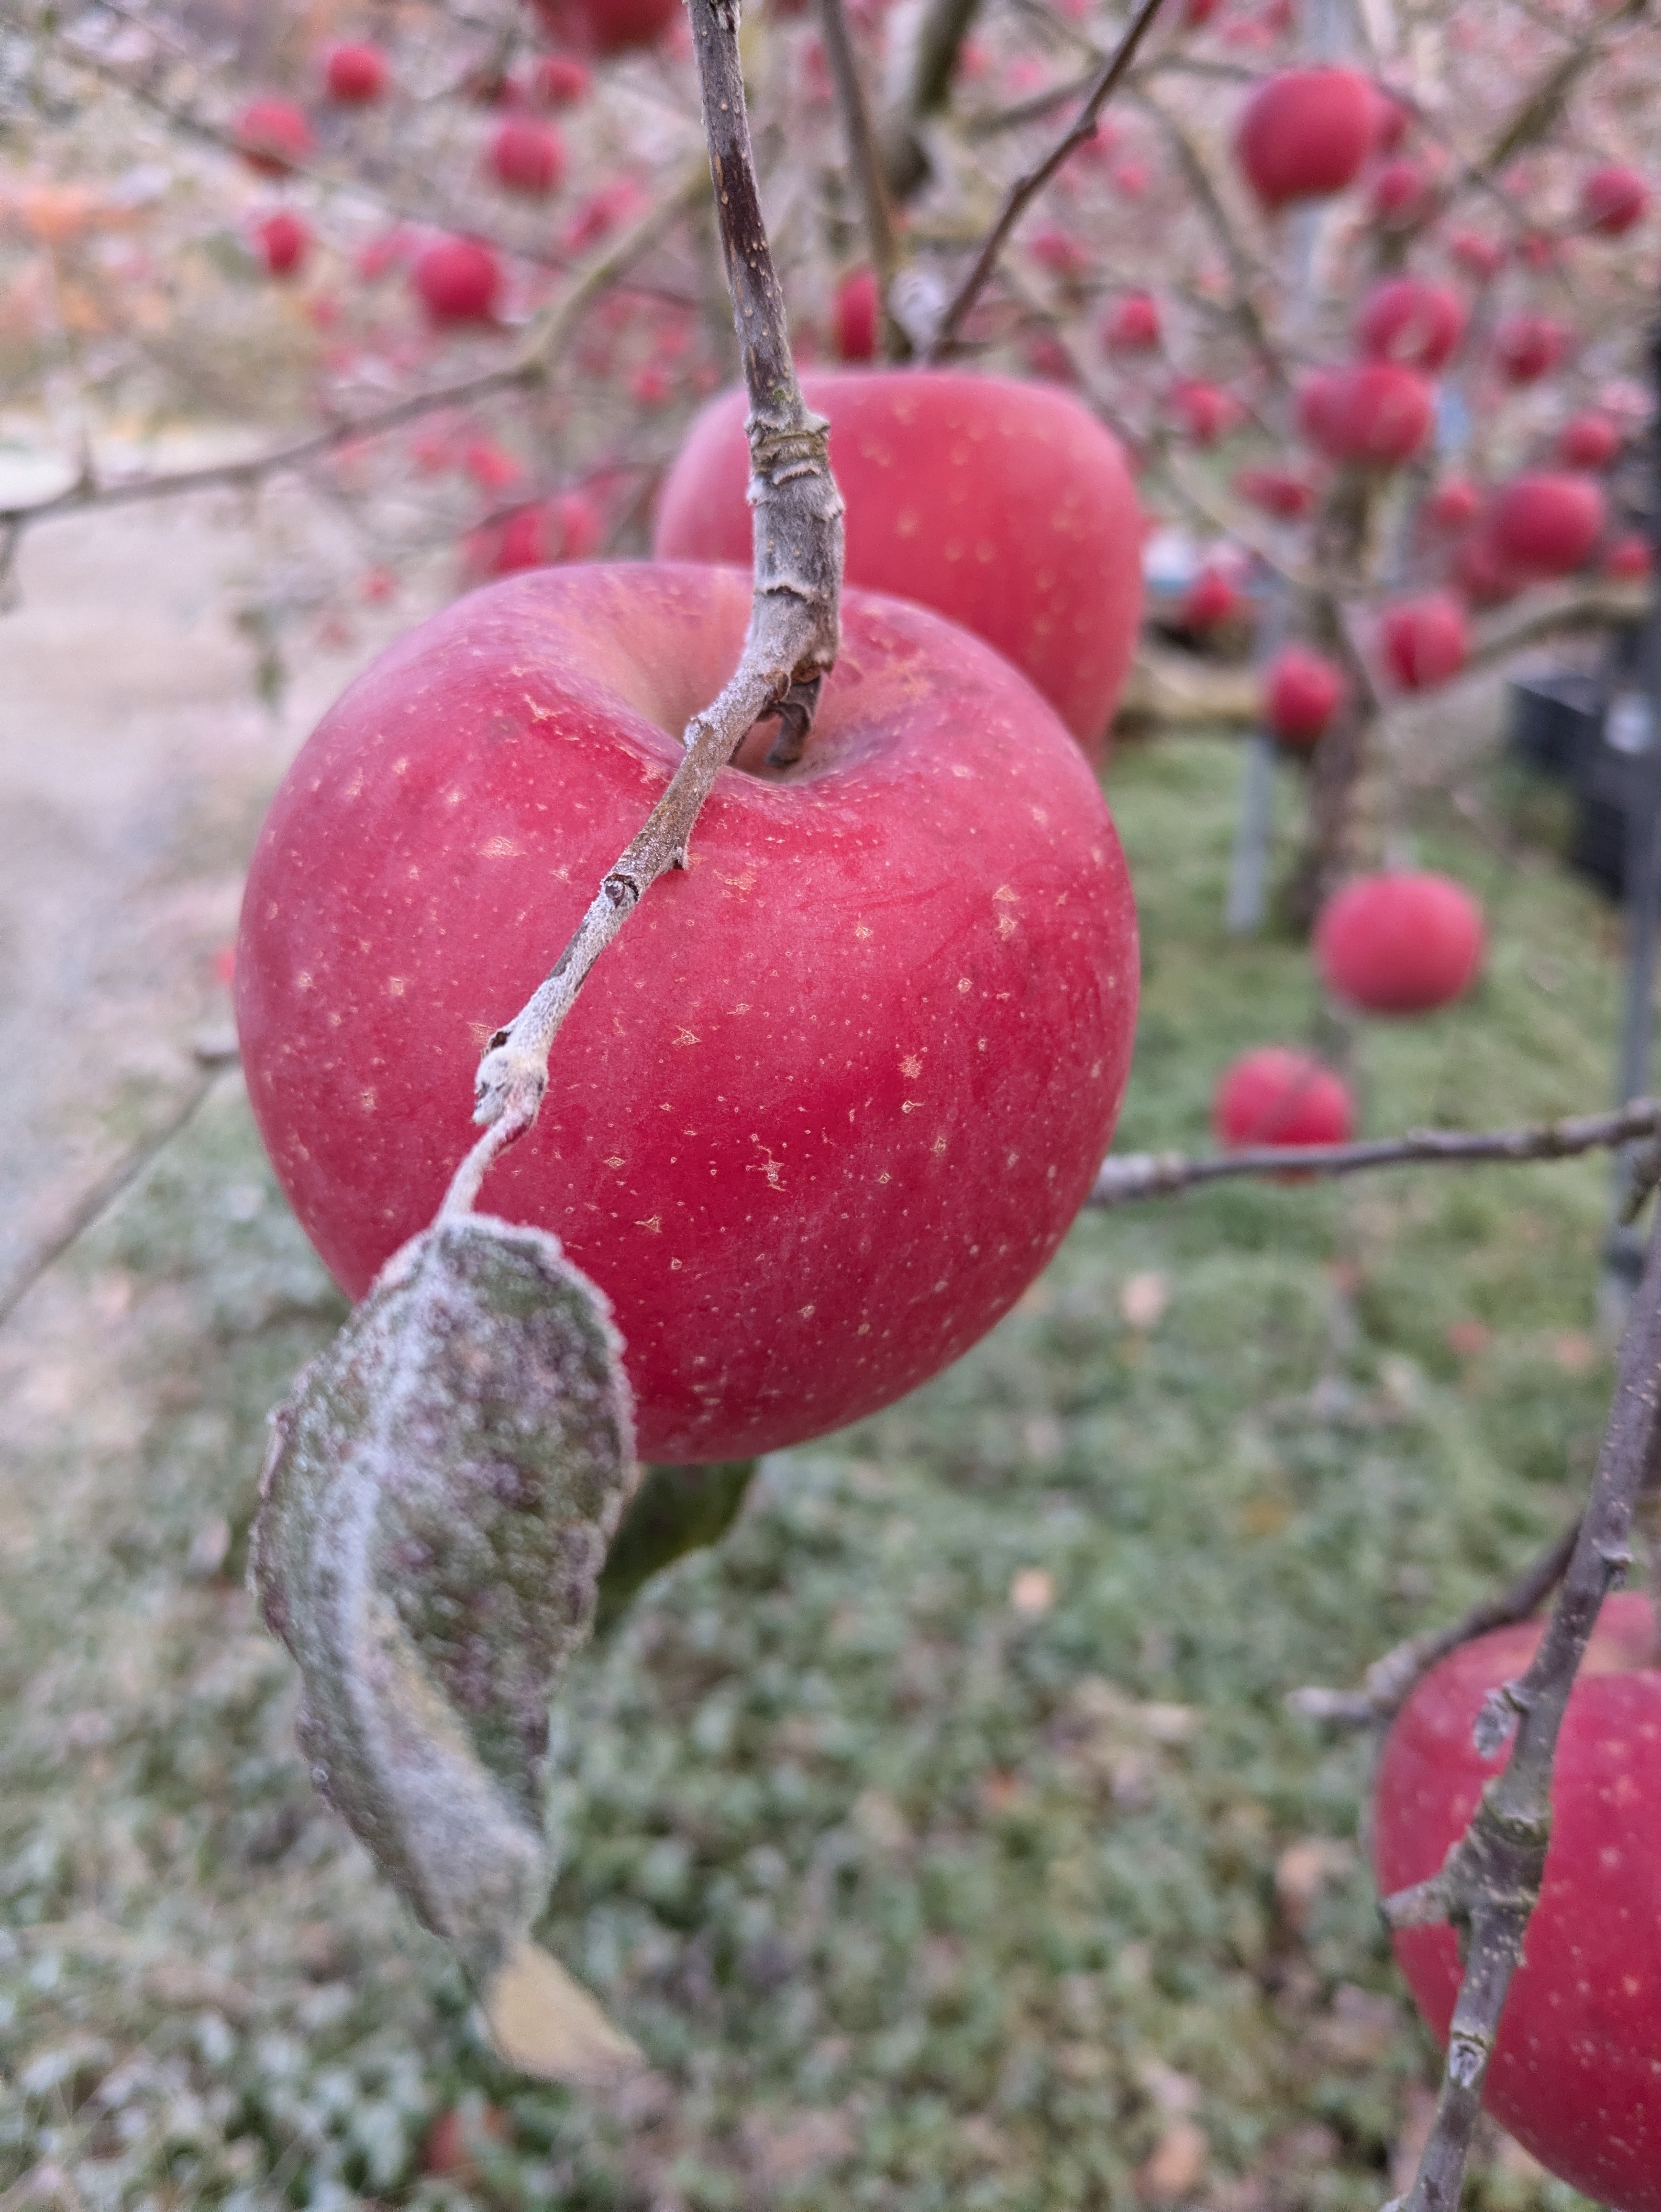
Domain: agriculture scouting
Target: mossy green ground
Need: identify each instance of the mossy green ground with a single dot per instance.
(944, 1838)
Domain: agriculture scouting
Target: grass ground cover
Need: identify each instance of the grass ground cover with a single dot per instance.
(943, 1837)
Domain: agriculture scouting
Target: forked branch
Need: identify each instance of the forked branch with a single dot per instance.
(1027, 187)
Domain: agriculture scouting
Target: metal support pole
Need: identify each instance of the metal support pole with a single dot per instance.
(1623, 1249)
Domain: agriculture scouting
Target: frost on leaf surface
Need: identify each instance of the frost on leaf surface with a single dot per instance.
(435, 1513)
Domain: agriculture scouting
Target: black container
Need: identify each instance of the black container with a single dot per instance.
(1555, 722)
(1616, 786)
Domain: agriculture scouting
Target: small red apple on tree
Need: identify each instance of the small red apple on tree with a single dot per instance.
(1400, 943)
(528, 157)
(273, 136)
(1424, 640)
(1274, 1095)
(1406, 319)
(354, 74)
(857, 316)
(1306, 134)
(1547, 524)
(1302, 692)
(1612, 198)
(284, 240)
(457, 280)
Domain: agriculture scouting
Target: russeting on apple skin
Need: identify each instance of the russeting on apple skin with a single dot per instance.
(833, 1097)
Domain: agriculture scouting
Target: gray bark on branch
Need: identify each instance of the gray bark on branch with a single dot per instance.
(1159, 1174)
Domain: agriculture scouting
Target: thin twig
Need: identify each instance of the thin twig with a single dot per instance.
(1490, 1881)
(96, 1200)
(861, 143)
(1158, 1174)
(1027, 186)
(1390, 1680)
(530, 366)
(1243, 270)
(940, 31)
(794, 624)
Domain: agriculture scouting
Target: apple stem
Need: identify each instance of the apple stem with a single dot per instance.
(794, 619)
(1027, 186)
(1490, 1881)
(1158, 1174)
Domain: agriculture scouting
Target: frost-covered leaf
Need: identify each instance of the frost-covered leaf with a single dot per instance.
(434, 1514)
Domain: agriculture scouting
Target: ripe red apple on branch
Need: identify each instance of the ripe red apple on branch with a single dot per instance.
(1302, 692)
(1002, 505)
(1400, 943)
(1274, 1095)
(832, 1099)
(1574, 2072)
(1306, 134)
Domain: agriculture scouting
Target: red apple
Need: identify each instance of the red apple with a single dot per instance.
(1405, 319)
(1272, 1096)
(1399, 942)
(1204, 412)
(1276, 491)
(1063, 252)
(1588, 442)
(1452, 506)
(835, 1094)
(284, 241)
(528, 157)
(565, 528)
(1302, 692)
(1546, 523)
(457, 280)
(1629, 558)
(1372, 413)
(1402, 193)
(1132, 324)
(857, 316)
(560, 80)
(1573, 2076)
(1305, 133)
(607, 26)
(1612, 199)
(1529, 346)
(1003, 505)
(1424, 641)
(354, 74)
(1210, 601)
(1480, 257)
(272, 136)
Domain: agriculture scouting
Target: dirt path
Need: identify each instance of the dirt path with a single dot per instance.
(134, 759)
